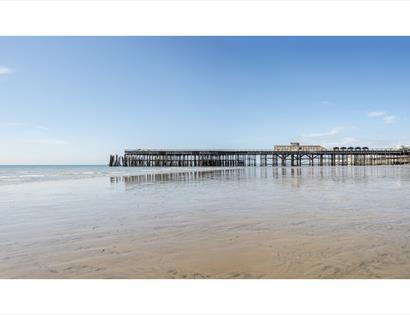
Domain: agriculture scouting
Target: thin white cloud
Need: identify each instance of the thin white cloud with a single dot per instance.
(349, 141)
(5, 70)
(39, 127)
(332, 132)
(327, 103)
(376, 114)
(332, 137)
(50, 141)
(387, 119)
(26, 127)
(22, 125)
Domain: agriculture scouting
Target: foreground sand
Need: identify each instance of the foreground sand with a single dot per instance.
(237, 225)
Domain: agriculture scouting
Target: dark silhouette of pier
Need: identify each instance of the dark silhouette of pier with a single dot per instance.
(285, 156)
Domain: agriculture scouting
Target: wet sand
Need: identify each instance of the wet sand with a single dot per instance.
(345, 222)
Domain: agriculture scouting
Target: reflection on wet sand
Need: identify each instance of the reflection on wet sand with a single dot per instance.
(307, 222)
(176, 176)
(333, 173)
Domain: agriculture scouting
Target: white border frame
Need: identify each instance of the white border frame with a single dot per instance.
(209, 17)
(204, 297)
(193, 17)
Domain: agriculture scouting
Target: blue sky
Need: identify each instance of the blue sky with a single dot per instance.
(75, 100)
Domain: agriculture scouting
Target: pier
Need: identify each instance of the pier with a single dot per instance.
(287, 155)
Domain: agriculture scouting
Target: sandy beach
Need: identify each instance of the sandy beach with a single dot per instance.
(346, 222)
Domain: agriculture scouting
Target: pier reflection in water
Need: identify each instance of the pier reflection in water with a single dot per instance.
(186, 176)
(361, 173)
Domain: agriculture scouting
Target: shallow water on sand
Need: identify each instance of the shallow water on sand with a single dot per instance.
(309, 222)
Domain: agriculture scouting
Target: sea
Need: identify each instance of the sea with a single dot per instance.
(93, 221)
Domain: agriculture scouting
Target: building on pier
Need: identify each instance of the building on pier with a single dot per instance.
(296, 146)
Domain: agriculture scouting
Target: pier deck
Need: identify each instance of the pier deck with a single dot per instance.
(232, 158)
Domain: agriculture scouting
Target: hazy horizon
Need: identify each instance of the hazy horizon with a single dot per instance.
(75, 100)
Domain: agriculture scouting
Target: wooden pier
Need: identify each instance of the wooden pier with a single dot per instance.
(237, 158)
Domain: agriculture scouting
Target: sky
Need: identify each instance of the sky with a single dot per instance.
(76, 100)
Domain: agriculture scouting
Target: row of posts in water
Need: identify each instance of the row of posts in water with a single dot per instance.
(227, 160)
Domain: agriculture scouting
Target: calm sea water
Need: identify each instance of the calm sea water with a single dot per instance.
(38, 173)
(100, 222)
